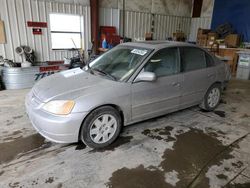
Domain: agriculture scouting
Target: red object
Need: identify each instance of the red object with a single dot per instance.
(37, 31)
(37, 24)
(109, 33)
(109, 30)
(49, 68)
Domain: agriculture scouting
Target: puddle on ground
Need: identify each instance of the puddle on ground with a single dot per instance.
(222, 101)
(191, 152)
(16, 132)
(13, 136)
(245, 116)
(59, 185)
(35, 182)
(217, 112)
(220, 113)
(8, 123)
(137, 177)
(158, 133)
(10, 150)
(49, 180)
(80, 146)
(222, 176)
(15, 185)
(239, 185)
(1, 173)
(120, 141)
(17, 117)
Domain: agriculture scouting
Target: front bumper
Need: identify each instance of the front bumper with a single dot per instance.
(60, 129)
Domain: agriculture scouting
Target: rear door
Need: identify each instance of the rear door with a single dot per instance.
(150, 99)
(195, 76)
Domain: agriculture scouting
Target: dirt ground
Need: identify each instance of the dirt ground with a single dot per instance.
(189, 148)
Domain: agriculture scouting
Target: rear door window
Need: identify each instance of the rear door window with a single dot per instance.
(209, 60)
(192, 59)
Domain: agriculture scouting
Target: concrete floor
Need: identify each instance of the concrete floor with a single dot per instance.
(190, 148)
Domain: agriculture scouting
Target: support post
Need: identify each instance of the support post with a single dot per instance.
(94, 8)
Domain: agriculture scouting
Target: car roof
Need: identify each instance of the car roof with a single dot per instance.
(157, 44)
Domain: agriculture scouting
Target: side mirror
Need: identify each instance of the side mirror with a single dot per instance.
(145, 77)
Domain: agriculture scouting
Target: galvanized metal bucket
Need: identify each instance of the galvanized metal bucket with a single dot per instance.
(1, 81)
(21, 78)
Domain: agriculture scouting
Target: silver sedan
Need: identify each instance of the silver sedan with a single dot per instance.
(130, 83)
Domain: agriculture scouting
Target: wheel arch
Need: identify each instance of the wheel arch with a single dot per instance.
(216, 82)
(202, 104)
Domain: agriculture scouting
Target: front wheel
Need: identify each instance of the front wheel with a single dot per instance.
(212, 98)
(101, 127)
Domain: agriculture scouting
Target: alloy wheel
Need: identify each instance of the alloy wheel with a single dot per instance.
(103, 128)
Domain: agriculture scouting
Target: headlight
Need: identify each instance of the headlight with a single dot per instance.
(59, 107)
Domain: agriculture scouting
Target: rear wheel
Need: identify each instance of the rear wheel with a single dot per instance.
(101, 127)
(212, 98)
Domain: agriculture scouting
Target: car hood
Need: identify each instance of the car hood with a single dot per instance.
(68, 85)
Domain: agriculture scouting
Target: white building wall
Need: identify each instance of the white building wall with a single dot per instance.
(204, 21)
(16, 13)
(110, 17)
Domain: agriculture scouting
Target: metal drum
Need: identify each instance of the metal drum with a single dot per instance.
(1, 82)
(21, 78)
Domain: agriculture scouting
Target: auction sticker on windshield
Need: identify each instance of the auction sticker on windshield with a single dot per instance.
(139, 52)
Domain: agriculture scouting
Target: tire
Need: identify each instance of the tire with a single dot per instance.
(101, 127)
(212, 98)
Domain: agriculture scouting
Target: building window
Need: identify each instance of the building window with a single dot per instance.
(65, 31)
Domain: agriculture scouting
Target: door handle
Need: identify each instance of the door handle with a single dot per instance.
(176, 84)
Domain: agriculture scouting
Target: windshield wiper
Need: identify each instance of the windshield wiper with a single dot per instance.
(104, 73)
(90, 69)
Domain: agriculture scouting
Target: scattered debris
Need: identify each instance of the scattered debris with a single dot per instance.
(49, 180)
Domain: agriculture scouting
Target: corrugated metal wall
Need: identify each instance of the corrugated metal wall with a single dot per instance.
(165, 26)
(110, 17)
(139, 23)
(16, 13)
(196, 23)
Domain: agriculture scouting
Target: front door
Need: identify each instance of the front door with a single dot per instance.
(150, 99)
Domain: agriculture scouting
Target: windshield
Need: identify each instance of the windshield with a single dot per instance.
(119, 63)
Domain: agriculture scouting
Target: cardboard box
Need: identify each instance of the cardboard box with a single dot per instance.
(203, 37)
(179, 36)
(212, 36)
(202, 31)
(202, 43)
(148, 36)
(202, 40)
(232, 40)
(2, 33)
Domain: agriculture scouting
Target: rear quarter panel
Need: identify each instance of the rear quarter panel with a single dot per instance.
(222, 71)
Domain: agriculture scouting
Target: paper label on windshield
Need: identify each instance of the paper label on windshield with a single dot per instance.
(139, 52)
